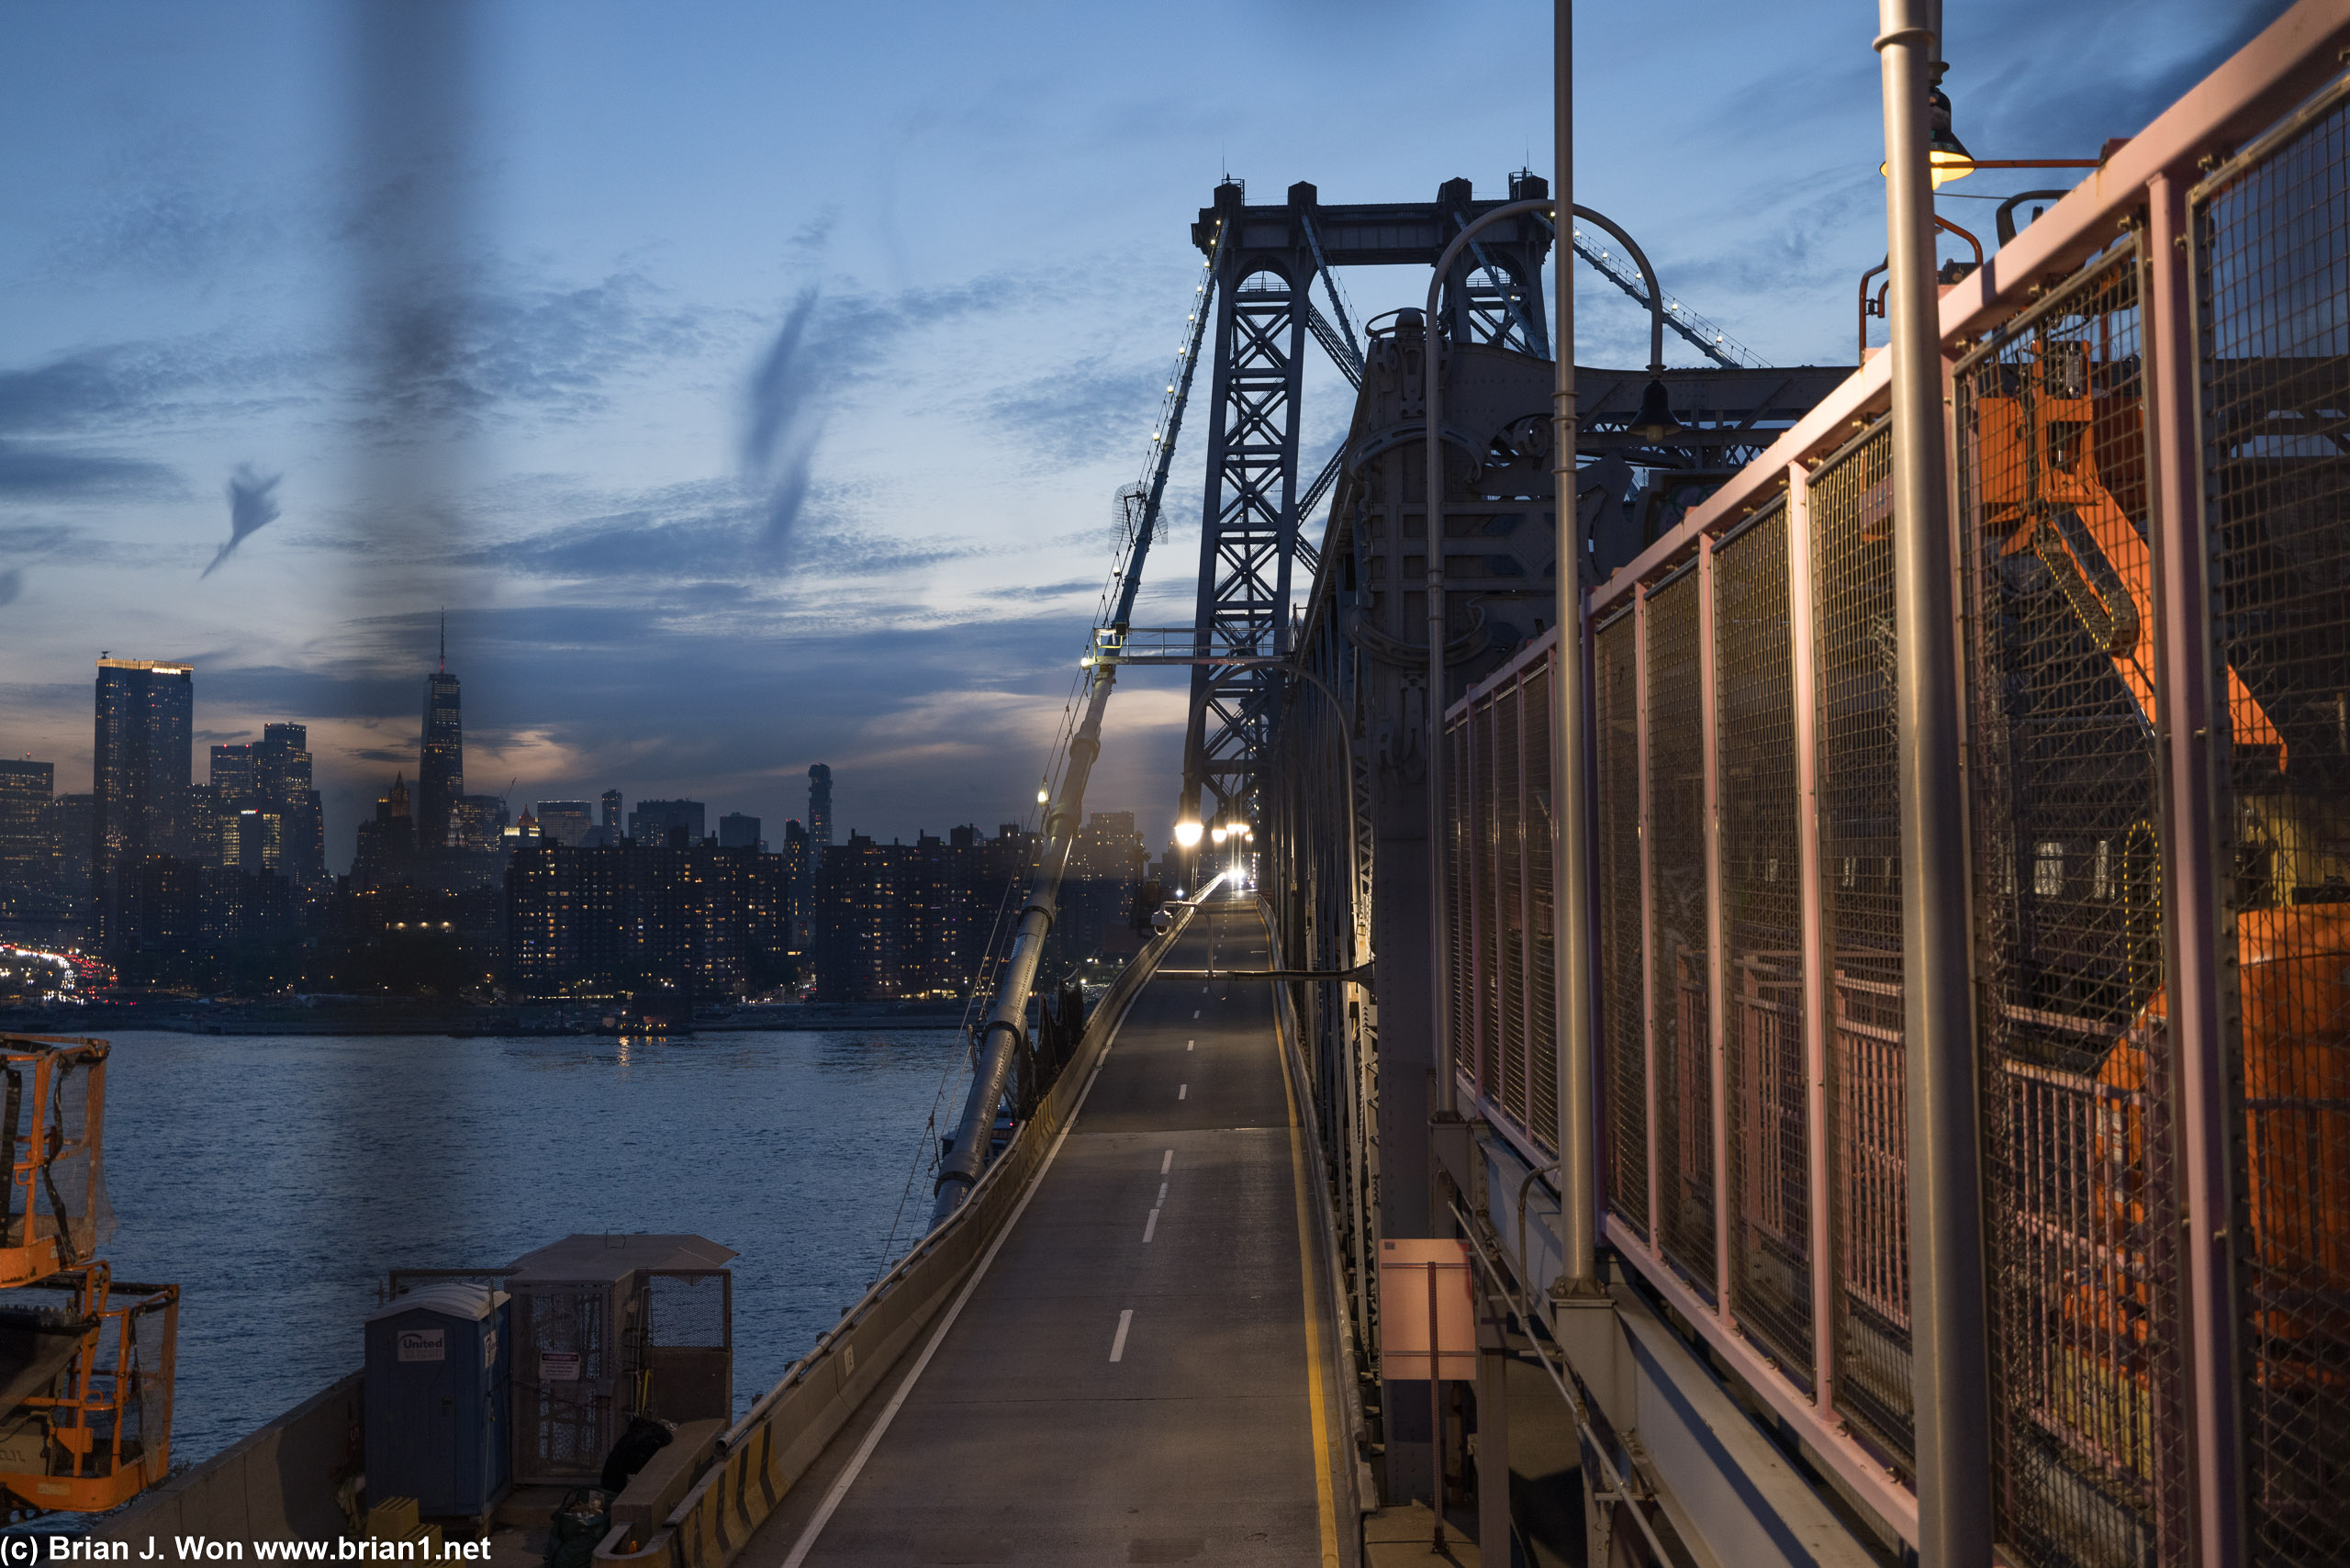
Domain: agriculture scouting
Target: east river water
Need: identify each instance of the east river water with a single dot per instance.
(277, 1178)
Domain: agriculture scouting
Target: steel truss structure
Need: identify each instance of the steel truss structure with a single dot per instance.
(1249, 537)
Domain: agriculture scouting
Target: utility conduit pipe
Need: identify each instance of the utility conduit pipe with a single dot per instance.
(1006, 1028)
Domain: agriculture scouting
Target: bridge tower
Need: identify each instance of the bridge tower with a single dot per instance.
(1255, 533)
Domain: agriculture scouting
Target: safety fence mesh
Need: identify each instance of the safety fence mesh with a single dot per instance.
(1462, 1005)
(2077, 1099)
(1623, 990)
(1501, 890)
(2273, 275)
(1684, 1064)
(1762, 886)
(1509, 899)
(53, 1116)
(1541, 913)
(1860, 875)
(1483, 929)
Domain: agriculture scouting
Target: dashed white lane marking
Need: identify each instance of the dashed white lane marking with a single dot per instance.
(1167, 1164)
(1195, 1013)
(1182, 1090)
(1118, 1345)
(1189, 1044)
(1163, 1197)
(1148, 1226)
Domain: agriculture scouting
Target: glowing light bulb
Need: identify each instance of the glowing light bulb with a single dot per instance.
(1187, 833)
(1040, 796)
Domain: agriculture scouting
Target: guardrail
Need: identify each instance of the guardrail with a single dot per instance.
(2149, 395)
(764, 1455)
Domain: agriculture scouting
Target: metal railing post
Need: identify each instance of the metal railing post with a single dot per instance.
(1951, 1357)
(1574, 951)
(2197, 1038)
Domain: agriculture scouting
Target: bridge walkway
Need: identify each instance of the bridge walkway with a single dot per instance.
(1128, 1379)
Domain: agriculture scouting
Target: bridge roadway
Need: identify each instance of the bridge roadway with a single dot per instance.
(1138, 1373)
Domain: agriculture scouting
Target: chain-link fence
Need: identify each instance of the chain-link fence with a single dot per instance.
(1761, 933)
(1850, 500)
(2078, 1107)
(2162, 420)
(1541, 914)
(1501, 896)
(2273, 273)
(1623, 1005)
(1677, 953)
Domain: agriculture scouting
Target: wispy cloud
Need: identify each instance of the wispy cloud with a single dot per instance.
(822, 347)
(782, 426)
(29, 472)
(252, 505)
(1090, 410)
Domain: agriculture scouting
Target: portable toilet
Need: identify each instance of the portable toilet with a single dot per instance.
(610, 1327)
(439, 1399)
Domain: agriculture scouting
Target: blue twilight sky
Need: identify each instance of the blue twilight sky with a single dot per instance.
(781, 361)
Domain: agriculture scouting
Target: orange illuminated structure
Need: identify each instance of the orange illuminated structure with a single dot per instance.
(2040, 477)
(2043, 495)
(86, 1362)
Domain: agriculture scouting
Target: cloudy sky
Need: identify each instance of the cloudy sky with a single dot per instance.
(750, 382)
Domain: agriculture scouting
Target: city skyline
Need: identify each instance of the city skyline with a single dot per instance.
(146, 798)
(929, 351)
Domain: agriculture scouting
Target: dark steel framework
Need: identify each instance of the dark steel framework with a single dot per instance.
(1249, 540)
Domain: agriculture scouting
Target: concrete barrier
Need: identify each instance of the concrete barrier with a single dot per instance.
(772, 1446)
(276, 1483)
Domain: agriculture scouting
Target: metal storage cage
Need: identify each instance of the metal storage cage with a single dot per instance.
(53, 1209)
(609, 1328)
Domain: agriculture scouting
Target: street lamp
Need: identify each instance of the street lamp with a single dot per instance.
(1187, 833)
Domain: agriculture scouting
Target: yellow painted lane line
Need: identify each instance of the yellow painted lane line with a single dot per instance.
(1325, 1506)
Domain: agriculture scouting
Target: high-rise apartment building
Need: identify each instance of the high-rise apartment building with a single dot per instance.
(282, 787)
(475, 824)
(614, 824)
(736, 830)
(563, 822)
(819, 814)
(441, 768)
(27, 856)
(803, 892)
(233, 777)
(271, 777)
(141, 771)
(388, 842)
(66, 826)
(654, 821)
(709, 922)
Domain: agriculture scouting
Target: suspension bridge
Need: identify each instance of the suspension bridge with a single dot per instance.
(1833, 1161)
